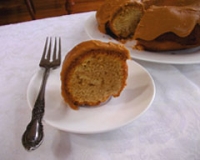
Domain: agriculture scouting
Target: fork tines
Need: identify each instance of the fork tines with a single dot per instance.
(48, 49)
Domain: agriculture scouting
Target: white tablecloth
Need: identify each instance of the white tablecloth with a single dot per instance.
(169, 130)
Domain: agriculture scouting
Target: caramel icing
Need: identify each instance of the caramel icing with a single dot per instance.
(87, 46)
(158, 20)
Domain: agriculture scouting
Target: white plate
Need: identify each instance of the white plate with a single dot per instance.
(189, 56)
(134, 100)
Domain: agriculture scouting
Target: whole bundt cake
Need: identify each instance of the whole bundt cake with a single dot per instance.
(156, 25)
(92, 72)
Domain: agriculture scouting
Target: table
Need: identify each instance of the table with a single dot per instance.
(169, 130)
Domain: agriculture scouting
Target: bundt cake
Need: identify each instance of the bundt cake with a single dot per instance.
(92, 72)
(156, 25)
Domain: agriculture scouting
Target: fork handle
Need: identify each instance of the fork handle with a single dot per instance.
(33, 135)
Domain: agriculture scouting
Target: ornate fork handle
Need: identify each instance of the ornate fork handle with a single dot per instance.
(33, 135)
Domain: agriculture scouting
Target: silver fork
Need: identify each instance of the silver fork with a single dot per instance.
(33, 135)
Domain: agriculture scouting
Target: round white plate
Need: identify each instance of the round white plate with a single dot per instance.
(134, 100)
(189, 56)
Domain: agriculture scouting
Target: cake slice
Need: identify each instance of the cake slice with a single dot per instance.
(92, 72)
